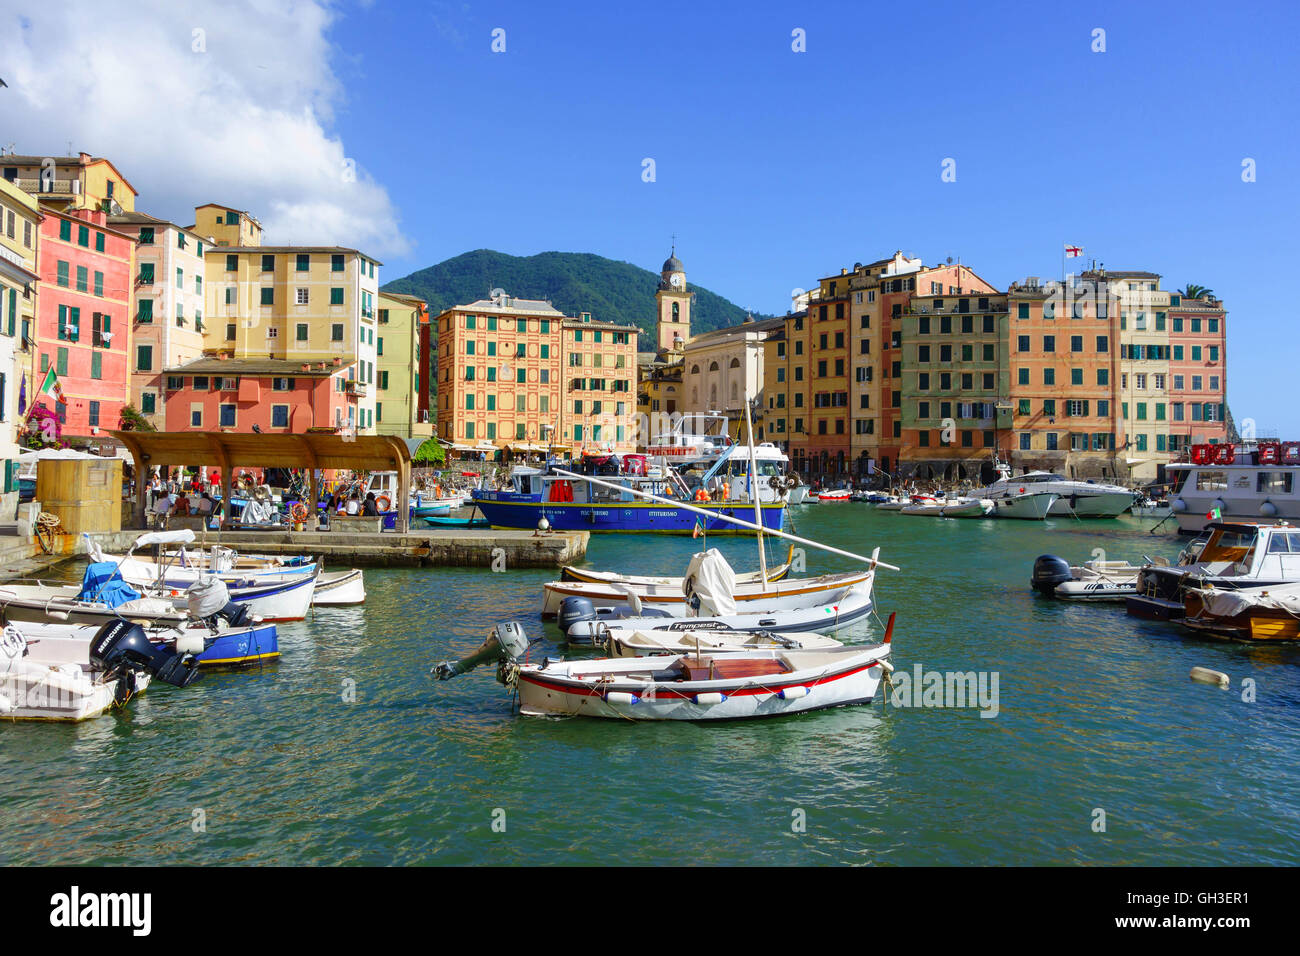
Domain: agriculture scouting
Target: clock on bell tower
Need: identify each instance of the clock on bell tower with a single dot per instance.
(674, 305)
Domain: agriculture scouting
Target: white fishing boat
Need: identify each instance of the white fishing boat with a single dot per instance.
(38, 601)
(339, 588)
(893, 503)
(797, 495)
(571, 573)
(178, 567)
(676, 599)
(630, 642)
(835, 495)
(727, 686)
(968, 508)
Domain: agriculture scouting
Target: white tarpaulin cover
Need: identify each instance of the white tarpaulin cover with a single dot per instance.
(710, 578)
(1223, 602)
(206, 596)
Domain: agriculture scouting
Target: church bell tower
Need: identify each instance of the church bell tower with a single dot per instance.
(674, 305)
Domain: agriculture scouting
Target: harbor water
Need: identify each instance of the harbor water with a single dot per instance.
(1102, 751)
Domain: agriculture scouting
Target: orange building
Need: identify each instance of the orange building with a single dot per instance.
(519, 374)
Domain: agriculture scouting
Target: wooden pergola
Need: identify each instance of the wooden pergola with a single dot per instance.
(313, 451)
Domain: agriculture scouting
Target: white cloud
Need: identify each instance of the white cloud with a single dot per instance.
(226, 101)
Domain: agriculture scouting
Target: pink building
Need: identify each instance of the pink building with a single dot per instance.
(1198, 376)
(266, 395)
(83, 325)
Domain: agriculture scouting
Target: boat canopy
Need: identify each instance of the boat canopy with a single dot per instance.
(183, 536)
(710, 579)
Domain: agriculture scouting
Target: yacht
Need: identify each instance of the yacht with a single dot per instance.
(1080, 499)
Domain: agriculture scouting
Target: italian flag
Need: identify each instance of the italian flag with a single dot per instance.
(51, 387)
(1214, 514)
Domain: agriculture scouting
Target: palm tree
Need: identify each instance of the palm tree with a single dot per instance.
(1193, 291)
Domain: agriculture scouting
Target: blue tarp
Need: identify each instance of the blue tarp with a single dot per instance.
(101, 582)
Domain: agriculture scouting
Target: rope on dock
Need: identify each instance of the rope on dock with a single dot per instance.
(47, 526)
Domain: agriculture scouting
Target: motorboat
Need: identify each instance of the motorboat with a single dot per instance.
(835, 494)
(688, 686)
(625, 642)
(1081, 499)
(709, 579)
(74, 678)
(1270, 613)
(797, 495)
(212, 645)
(1235, 555)
(1235, 481)
(968, 508)
(1029, 506)
(1096, 580)
(91, 603)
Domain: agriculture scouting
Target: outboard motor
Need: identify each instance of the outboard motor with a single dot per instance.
(122, 647)
(507, 642)
(581, 611)
(1049, 571)
(575, 609)
(209, 599)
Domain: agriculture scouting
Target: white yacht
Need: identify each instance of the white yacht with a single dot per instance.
(1082, 499)
(1245, 481)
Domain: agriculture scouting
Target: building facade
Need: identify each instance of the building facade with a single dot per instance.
(83, 327)
(68, 183)
(20, 221)
(1198, 373)
(402, 356)
(518, 373)
(167, 307)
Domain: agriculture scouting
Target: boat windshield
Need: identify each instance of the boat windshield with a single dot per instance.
(1229, 544)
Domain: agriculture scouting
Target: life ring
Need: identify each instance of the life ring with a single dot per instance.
(299, 511)
(384, 503)
(1269, 452)
(1225, 454)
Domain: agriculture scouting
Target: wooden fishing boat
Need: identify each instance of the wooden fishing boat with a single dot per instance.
(631, 642)
(694, 686)
(339, 588)
(1269, 614)
(835, 495)
(585, 575)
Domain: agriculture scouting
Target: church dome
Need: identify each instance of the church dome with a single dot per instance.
(673, 264)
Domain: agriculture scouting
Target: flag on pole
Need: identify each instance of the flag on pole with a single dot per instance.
(51, 387)
(1214, 514)
(1073, 252)
(699, 528)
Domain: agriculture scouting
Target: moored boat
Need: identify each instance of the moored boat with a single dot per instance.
(1269, 613)
(337, 588)
(630, 642)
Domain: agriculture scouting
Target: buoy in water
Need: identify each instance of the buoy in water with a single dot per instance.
(1206, 676)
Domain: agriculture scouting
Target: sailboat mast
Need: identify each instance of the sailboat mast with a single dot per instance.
(753, 495)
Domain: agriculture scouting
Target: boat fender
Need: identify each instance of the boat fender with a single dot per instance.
(1206, 676)
(6, 705)
(792, 693)
(1179, 505)
(190, 644)
(619, 697)
(1268, 509)
(709, 700)
(1049, 571)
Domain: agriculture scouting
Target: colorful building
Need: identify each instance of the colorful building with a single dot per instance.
(955, 414)
(20, 221)
(217, 393)
(1198, 372)
(281, 308)
(518, 373)
(83, 327)
(227, 227)
(402, 353)
(724, 369)
(69, 183)
(167, 307)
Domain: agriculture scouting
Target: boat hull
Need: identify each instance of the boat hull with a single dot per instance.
(1026, 507)
(510, 510)
(339, 588)
(1105, 504)
(854, 681)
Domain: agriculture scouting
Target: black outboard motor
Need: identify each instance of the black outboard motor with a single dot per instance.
(235, 614)
(575, 610)
(1049, 571)
(121, 647)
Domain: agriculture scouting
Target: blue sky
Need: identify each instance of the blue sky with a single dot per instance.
(775, 167)
(772, 167)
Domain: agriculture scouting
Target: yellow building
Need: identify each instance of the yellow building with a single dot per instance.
(518, 373)
(226, 226)
(20, 220)
(303, 304)
(71, 182)
(401, 352)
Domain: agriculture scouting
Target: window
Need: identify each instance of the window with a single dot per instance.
(227, 416)
(98, 287)
(62, 269)
(268, 263)
(83, 236)
(230, 331)
(1076, 343)
(1141, 411)
(1049, 376)
(1103, 376)
(268, 295)
(1022, 376)
(336, 262)
(336, 298)
(144, 358)
(279, 416)
(1103, 343)
(1049, 343)
(82, 279)
(336, 332)
(300, 297)
(303, 262)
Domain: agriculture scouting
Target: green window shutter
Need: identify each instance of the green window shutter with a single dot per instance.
(63, 279)
(45, 362)
(83, 236)
(336, 296)
(145, 311)
(380, 349)
(232, 263)
(65, 230)
(268, 295)
(147, 403)
(97, 365)
(99, 242)
(61, 367)
(63, 321)
(83, 279)
(99, 284)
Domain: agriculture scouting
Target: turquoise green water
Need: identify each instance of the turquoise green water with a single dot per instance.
(1096, 711)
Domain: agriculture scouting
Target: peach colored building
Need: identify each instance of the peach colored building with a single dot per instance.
(275, 395)
(518, 373)
(1198, 372)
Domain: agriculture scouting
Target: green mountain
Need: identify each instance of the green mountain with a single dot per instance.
(573, 282)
